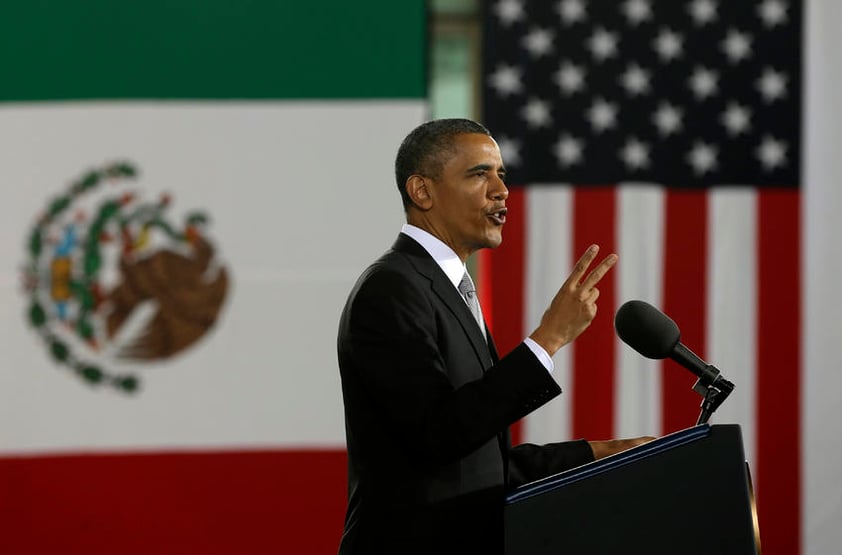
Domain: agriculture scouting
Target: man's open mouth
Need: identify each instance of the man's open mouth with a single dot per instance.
(498, 216)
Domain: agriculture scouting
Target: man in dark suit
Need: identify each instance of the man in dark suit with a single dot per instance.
(428, 401)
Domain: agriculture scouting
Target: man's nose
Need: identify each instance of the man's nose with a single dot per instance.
(498, 190)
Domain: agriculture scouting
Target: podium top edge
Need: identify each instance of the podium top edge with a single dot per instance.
(623, 458)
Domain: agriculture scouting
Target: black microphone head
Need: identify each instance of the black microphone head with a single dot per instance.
(646, 329)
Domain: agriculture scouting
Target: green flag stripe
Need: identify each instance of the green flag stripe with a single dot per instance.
(211, 49)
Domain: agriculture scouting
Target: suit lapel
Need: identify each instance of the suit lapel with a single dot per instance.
(444, 289)
(450, 297)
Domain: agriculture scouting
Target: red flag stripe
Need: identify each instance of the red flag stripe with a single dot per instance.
(210, 503)
(507, 284)
(685, 289)
(779, 382)
(594, 211)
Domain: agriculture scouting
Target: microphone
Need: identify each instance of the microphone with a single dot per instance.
(654, 335)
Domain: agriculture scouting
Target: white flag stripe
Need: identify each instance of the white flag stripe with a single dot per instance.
(822, 206)
(640, 275)
(261, 171)
(732, 305)
(548, 263)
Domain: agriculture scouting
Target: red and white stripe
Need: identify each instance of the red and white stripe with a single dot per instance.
(724, 263)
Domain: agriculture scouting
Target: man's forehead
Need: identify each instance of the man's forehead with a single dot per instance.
(477, 147)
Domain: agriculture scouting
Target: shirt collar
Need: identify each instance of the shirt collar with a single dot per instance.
(448, 261)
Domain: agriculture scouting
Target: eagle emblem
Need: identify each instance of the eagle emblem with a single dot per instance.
(114, 279)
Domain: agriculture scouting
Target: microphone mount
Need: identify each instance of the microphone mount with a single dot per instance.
(714, 389)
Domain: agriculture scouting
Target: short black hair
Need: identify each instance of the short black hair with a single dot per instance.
(422, 151)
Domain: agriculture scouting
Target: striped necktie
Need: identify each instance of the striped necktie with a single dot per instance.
(469, 293)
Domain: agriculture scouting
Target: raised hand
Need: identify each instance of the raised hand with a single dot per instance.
(574, 306)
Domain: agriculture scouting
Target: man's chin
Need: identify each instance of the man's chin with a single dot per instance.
(494, 241)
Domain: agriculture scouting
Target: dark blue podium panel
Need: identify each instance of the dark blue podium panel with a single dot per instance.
(686, 493)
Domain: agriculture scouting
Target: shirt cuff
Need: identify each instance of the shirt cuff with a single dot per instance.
(540, 353)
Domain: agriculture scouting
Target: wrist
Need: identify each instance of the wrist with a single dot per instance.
(551, 343)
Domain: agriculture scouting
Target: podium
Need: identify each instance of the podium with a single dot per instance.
(685, 493)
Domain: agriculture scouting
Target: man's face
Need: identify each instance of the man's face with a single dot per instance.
(469, 197)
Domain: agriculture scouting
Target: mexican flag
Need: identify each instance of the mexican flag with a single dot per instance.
(190, 190)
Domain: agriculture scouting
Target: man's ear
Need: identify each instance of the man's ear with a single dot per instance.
(417, 187)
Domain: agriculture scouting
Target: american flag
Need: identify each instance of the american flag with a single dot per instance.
(668, 132)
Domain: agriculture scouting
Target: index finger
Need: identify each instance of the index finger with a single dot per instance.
(582, 265)
(600, 271)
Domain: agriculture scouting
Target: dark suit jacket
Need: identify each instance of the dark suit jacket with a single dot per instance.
(427, 409)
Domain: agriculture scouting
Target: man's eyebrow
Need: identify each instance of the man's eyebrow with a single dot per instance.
(485, 167)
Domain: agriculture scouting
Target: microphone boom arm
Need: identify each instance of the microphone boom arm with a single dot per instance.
(714, 393)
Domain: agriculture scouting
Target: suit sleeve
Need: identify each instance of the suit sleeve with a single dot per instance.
(389, 338)
(529, 462)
